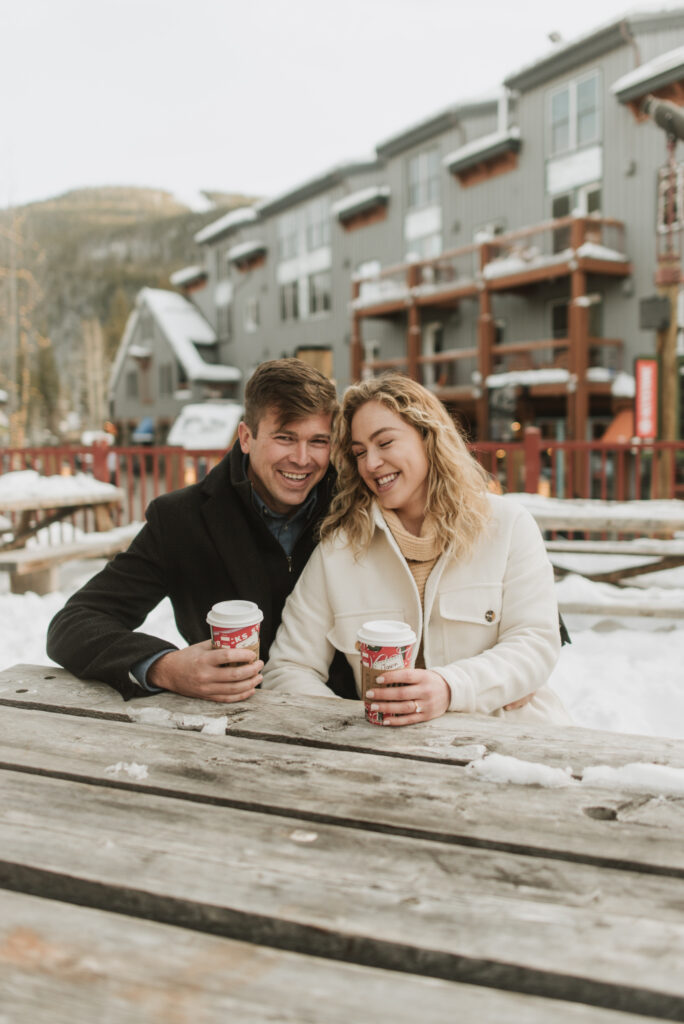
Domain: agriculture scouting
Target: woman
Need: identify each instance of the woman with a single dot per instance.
(413, 534)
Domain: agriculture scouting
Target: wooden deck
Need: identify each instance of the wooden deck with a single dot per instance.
(303, 865)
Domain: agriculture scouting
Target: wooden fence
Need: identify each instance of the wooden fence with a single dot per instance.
(565, 469)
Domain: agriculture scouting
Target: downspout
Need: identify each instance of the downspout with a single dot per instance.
(630, 39)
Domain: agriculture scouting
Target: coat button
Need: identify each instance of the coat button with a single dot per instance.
(490, 616)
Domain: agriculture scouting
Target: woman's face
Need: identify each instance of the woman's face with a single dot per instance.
(391, 460)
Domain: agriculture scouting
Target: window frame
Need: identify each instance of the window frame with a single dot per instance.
(572, 87)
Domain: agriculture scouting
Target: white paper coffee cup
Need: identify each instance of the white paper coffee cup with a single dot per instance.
(385, 644)
(235, 624)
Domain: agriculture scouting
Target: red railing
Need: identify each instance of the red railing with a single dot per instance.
(565, 469)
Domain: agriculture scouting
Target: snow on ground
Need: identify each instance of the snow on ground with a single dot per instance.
(623, 674)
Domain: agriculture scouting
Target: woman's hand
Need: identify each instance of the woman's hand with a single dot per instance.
(406, 696)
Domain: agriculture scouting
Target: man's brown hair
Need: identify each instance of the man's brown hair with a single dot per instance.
(290, 386)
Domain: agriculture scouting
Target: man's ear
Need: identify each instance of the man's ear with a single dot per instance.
(244, 437)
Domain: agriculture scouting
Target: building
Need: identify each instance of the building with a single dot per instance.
(168, 357)
(498, 250)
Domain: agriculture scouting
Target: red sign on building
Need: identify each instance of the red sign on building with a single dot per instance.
(646, 397)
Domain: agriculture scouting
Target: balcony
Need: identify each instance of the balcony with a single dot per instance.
(577, 368)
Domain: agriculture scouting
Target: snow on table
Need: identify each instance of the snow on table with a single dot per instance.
(27, 488)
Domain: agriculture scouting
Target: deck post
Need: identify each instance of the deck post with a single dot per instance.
(356, 345)
(413, 341)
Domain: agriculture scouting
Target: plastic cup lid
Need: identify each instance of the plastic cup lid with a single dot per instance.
(386, 633)
(235, 614)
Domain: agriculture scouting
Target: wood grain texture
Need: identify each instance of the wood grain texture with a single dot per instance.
(379, 900)
(335, 724)
(445, 803)
(62, 964)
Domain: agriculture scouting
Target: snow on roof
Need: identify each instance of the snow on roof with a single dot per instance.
(635, 83)
(360, 200)
(187, 275)
(184, 327)
(229, 221)
(139, 351)
(246, 250)
(482, 147)
(205, 425)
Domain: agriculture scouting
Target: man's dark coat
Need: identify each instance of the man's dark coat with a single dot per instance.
(200, 545)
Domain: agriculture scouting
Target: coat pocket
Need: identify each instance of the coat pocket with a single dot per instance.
(478, 604)
(346, 627)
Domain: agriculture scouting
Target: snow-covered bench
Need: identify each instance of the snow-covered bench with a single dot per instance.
(579, 596)
(35, 568)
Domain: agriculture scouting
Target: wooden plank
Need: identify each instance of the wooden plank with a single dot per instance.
(577, 521)
(323, 722)
(83, 499)
(443, 803)
(649, 609)
(28, 560)
(643, 546)
(382, 901)
(61, 963)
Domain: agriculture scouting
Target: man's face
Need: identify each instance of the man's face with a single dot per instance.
(286, 460)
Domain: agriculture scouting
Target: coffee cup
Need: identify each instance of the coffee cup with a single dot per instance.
(235, 625)
(385, 644)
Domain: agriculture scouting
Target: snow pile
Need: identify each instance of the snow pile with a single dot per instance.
(212, 725)
(136, 771)
(642, 777)
(657, 779)
(29, 485)
(501, 768)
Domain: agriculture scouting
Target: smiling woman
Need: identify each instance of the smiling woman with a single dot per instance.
(414, 535)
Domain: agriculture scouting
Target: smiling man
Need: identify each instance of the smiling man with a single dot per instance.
(245, 532)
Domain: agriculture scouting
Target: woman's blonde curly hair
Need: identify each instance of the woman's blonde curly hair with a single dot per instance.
(457, 484)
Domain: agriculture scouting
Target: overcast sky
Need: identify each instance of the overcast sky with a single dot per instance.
(245, 95)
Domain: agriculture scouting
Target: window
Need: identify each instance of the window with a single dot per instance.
(288, 236)
(252, 318)
(224, 321)
(423, 179)
(574, 115)
(560, 121)
(559, 319)
(132, 384)
(165, 379)
(581, 201)
(289, 301)
(320, 287)
(317, 217)
(424, 248)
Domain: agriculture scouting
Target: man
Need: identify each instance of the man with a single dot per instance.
(245, 532)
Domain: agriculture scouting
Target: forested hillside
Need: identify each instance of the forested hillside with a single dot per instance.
(70, 268)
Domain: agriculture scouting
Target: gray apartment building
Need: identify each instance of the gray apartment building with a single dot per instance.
(497, 251)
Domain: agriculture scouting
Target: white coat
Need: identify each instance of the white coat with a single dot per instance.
(490, 626)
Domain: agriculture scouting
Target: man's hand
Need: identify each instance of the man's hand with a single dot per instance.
(221, 674)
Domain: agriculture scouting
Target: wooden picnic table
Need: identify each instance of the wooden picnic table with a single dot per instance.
(35, 568)
(295, 863)
(642, 533)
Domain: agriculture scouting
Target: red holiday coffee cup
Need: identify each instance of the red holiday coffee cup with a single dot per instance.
(235, 624)
(384, 645)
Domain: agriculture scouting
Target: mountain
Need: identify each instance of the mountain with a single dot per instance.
(72, 266)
